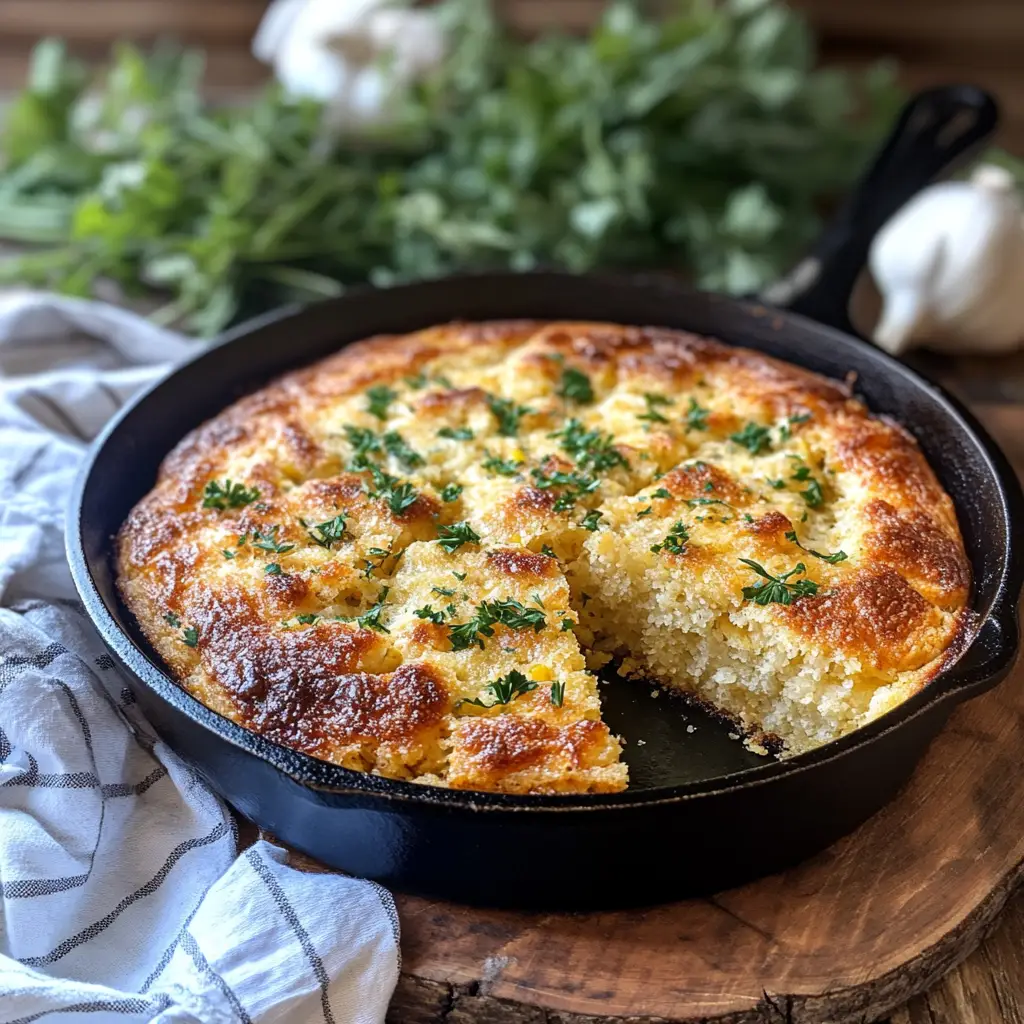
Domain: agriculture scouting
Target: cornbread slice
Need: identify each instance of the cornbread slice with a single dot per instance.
(404, 558)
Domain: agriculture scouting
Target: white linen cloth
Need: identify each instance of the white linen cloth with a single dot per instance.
(123, 896)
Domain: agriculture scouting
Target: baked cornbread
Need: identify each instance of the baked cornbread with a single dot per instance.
(410, 557)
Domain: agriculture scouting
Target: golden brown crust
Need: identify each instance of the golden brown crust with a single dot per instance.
(306, 612)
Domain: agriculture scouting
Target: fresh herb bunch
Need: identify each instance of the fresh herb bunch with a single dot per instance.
(705, 142)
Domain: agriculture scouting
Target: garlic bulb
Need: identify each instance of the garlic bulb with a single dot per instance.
(351, 54)
(950, 268)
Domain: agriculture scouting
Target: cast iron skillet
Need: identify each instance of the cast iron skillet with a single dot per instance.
(701, 812)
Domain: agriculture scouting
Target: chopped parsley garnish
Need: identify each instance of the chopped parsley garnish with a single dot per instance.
(557, 693)
(696, 416)
(546, 549)
(651, 414)
(227, 554)
(694, 502)
(228, 495)
(399, 495)
(567, 624)
(364, 443)
(370, 619)
(381, 554)
(786, 432)
(378, 398)
(537, 599)
(507, 612)
(754, 438)
(443, 591)
(460, 576)
(172, 620)
(267, 541)
(190, 636)
(427, 612)
(576, 386)
(502, 691)
(576, 485)
(592, 520)
(589, 448)
(456, 433)
(645, 512)
(503, 467)
(394, 444)
(308, 619)
(777, 484)
(451, 492)
(507, 413)
(453, 537)
(329, 532)
(661, 492)
(813, 495)
(676, 540)
(834, 559)
(272, 569)
(418, 382)
(776, 589)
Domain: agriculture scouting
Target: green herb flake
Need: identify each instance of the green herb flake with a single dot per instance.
(503, 467)
(379, 399)
(567, 624)
(557, 693)
(370, 619)
(451, 493)
(395, 446)
(590, 449)
(267, 541)
(272, 569)
(398, 494)
(309, 619)
(834, 559)
(456, 433)
(661, 492)
(696, 416)
(754, 438)
(172, 620)
(507, 413)
(453, 537)
(676, 540)
(190, 636)
(546, 549)
(777, 484)
(442, 591)
(652, 402)
(460, 576)
(227, 495)
(645, 512)
(329, 532)
(508, 612)
(576, 386)
(592, 520)
(777, 589)
(427, 612)
(227, 554)
(502, 691)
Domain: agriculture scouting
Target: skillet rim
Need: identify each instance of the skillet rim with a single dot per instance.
(980, 662)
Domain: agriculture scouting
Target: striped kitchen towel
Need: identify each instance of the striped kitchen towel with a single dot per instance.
(123, 895)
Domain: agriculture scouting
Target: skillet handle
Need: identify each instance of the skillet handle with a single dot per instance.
(935, 132)
(991, 655)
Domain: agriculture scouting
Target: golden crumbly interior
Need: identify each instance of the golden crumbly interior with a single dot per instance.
(403, 558)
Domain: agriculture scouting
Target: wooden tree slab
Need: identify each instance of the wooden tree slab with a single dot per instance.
(847, 936)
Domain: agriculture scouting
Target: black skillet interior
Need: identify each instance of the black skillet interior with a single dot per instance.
(682, 746)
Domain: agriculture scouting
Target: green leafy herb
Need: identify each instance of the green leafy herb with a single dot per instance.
(592, 520)
(267, 541)
(754, 438)
(398, 494)
(560, 150)
(394, 444)
(661, 492)
(557, 693)
(589, 448)
(308, 619)
(381, 555)
(645, 512)
(507, 612)
(456, 433)
(573, 486)
(786, 432)
(459, 575)
(190, 636)
(427, 612)
(507, 413)
(777, 484)
(776, 589)
(567, 624)
(329, 532)
(834, 559)
(696, 416)
(172, 620)
(443, 591)
(227, 554)
(502, 691)
(417, 382)
(228, 495)
(453, 537)
(503, 467)
(378, 399)
(370, 619)
(272, 569)
(546, 549)
(676, 540)
(651, 414)
(364, 443)
(451, 493)
(576, 386)
(694, 502)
